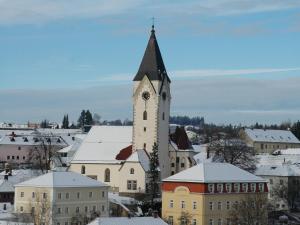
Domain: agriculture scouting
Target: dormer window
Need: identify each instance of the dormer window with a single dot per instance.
(211, 188)
(25, 139)
(220, 188)
(236, 187)
(228, 188)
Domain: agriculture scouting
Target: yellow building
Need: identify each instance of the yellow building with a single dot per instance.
(61, 198)
(207, 192)
(267, 141)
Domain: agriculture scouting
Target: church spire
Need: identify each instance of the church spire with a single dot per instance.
(152, 63)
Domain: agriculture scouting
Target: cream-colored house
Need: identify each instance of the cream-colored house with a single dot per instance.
(207, 192)
(267, 141)
(106, 155)
(59, 198)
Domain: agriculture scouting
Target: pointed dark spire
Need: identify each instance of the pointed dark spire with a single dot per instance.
(152, 63)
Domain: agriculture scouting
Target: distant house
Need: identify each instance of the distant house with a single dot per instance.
(61, 198)
(7, 192)
(207, 192)
(128, 221)
(284, 177)
(267, 141)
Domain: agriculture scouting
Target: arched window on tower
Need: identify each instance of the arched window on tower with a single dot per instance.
(145, 115)
(107, 175)
(82, 169)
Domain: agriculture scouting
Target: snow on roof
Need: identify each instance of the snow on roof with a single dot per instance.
(266, 159)
(128, 221)
(61, 179)
(103, 143)
(20, 175)
(278, 136)
(288, 151)
(6, 186)
(214, 173)
(142, 157)
(284, 170)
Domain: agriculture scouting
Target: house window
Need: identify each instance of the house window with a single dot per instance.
(77, 209)
(59, 195)
(172, 164)
(194, 222)
(66, 210)
(131, 171)
(219, 222)
(163, 116)
(227, 205)
(271, 181)
(183, 204)
(91, 194)
(194, 205)
(211, 205)
(211, 188)
(44, 195)
(144, 145)
(211, 222)
(245, 187)
(78, 194)
(171, 220)
(281, 182)
(19, 148)
(103, 208)
(21, 208)
(86, 209)
(107, 175)
(228, 188)
(220, 188)
(261, 187)
(182, 162)
(131, 184)
(145, 129)
(13, 157)
(236, 187)
(145, 115)
(8, 157)
(171, 204)
(219, 205)
(23, 157)
(103, 194)
(22, 194)
(261, 146)
(67, 195)
(33, 194)
(82, 169)
(253, 187)
(58, 211)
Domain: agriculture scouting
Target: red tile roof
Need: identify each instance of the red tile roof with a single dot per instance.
(124, 153)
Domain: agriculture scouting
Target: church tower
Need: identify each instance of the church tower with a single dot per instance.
(151, 105)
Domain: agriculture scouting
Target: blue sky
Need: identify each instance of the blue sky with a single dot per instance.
(230, 60)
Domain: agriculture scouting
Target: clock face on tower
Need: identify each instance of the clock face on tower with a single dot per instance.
(146, 95)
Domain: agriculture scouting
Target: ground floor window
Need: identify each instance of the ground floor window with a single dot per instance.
(131, 184)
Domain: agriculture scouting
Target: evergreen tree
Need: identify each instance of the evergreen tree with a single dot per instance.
(44, 124)
(296, 129)
(88, 118)
(154, 174)
(81, 119)
(65, 122)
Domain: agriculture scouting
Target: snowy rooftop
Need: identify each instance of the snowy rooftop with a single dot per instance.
(61, 179)
(128, 221)
(288, 151)
(142, 157)
(21, 175)
(266, 159)
(214, 173)
(6, 186)
(284, 170)
(281, 136)
(103, 143)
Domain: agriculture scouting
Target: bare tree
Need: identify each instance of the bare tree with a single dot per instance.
(45, 153)
(41, 209)
(185, 218)
(233, 151)
(85, 218)
(251, 210)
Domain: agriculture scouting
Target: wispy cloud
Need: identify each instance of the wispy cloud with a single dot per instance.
(196, 73)
(39, 11)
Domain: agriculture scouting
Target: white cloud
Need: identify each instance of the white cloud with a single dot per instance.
(39, 11)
